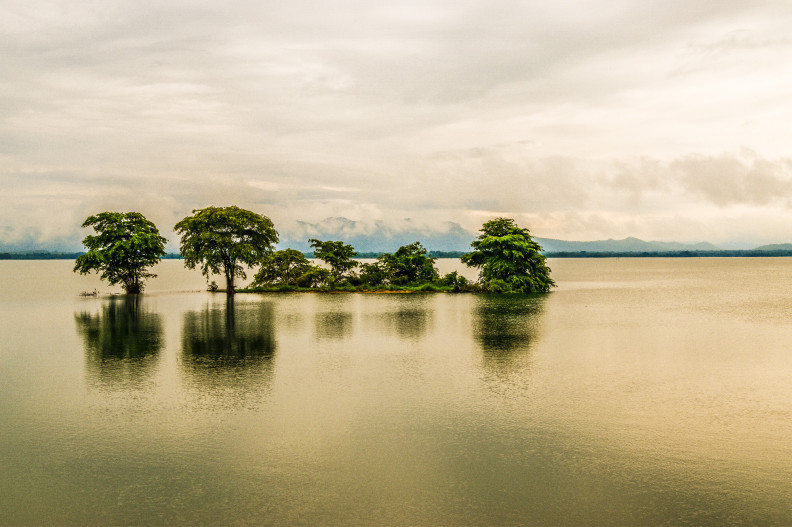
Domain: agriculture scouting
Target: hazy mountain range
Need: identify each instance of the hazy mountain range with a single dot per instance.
(378, 237)
(381, 237)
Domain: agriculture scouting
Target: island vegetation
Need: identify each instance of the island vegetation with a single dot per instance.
(124, 247)
(223, 240)
(229, 241)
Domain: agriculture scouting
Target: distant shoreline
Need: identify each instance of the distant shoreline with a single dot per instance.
(747, 253)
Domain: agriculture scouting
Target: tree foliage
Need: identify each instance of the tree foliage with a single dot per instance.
(409, 264)
(222, 240)
(372, 274)
(125, 245)
(338, 255)
(281, 268)
(509, 260)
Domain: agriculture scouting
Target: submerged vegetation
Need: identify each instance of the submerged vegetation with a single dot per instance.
(227, 240)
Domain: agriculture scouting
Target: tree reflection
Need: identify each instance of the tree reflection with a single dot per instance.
(122, 341)
(505, 327)
(334, 326)
(228, 349)
(410, 319)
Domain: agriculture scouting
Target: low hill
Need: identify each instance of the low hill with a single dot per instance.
(775, 247)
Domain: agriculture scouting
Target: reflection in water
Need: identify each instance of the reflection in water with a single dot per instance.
(410, 319)
(122, 341)
(228, 348)
(330, 325)
(505, 327)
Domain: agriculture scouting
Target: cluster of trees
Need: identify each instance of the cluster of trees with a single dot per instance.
(409, 266)
(228, 240)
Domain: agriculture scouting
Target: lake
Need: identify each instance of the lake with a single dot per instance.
(639, 392)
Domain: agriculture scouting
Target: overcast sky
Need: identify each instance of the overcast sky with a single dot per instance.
(665, 120)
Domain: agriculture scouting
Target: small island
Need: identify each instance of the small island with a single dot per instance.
(228, 241)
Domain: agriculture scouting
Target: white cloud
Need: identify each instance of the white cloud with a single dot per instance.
(585, 119)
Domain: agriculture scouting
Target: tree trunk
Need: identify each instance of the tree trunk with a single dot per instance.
(230, 283)
(132, 287)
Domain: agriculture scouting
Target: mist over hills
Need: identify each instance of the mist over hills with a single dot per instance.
(378, 236)
(626, 245)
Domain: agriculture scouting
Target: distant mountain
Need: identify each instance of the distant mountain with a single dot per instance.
(625, 245)
(775, 247)
(370, 237)
(377, 236)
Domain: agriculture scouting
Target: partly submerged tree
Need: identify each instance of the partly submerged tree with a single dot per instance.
(281, 268)
(338, 255)
(224, 240)
(508, 258)
(125, 245)
(409, 264)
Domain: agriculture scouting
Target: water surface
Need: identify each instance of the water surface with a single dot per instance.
(640, 392)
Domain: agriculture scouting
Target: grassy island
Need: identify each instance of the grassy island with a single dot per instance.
(229, 240)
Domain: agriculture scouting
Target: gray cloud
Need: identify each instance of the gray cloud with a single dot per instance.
(586, 119)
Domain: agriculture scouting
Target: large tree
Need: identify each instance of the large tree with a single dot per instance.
(509, 260)
(125, 245)
(223, 240)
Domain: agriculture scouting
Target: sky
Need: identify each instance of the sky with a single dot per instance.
(583, 120)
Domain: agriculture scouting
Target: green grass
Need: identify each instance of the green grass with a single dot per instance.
(347, 288)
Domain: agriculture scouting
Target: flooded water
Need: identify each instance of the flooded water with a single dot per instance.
(639, 392)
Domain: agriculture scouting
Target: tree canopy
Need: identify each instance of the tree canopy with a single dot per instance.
(509, 260)
(125, 245)
(281, 268)
(409, 264)
(222, 240)
(338, 255)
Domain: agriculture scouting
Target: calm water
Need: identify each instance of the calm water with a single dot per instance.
(640, 392)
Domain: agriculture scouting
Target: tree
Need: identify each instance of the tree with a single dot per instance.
(372, 274)
(508, 259)
(409, 264)
(125, 245)
(338, 255)
(225, 239)
(281, 267)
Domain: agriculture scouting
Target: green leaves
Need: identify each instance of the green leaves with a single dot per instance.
(409, 264)
(338, 255)
(509, 259)
(224, 239)
(124, 245)
(281, 268)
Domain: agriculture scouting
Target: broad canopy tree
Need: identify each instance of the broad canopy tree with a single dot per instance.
(125, 245)
(508, 258)
(222, 240)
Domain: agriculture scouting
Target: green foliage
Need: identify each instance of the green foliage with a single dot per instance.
(372, 274)
(409, 264)
(224, 240)
(509, 260)
(281, 268)
(338, 255)
(125, 245)
(454, 280)
(315, 277)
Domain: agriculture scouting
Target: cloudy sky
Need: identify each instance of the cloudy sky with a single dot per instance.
(665, 120)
